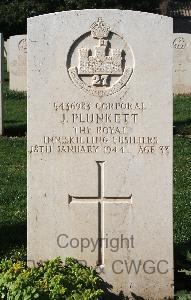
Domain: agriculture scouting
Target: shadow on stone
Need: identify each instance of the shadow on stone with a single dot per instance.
(136, 297)
(108, 295)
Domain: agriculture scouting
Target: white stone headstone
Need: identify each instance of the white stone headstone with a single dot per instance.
(18, 63)
(1, 83)
(182, 63)
(100, 145)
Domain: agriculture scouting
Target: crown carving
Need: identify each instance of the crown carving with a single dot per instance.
(99, 29)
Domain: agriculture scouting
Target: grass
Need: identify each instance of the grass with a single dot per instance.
(182, 169)
(182, 115)
(13, 173)
(182, 193)
(15, 113)
(182, 189)
(13, 182)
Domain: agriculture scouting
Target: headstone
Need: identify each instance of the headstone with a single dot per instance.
(18, 63)
(1, 83)
(182, 63)
(99, 159)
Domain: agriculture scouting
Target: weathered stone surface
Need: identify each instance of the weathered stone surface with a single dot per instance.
(1, 83)
(182, 63)
(100, 145)
(18, 63)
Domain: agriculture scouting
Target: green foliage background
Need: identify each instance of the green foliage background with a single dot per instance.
(14, 13)
(49, 281)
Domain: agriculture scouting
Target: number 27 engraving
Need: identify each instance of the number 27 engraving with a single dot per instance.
(100, 80)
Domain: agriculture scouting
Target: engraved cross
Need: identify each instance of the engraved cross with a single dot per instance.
(100, 199)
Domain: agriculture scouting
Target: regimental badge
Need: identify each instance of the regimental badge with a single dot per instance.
(179, 43)
(101, 70)
(23, 46)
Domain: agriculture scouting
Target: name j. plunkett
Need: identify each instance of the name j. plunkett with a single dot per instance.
(100, 118)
